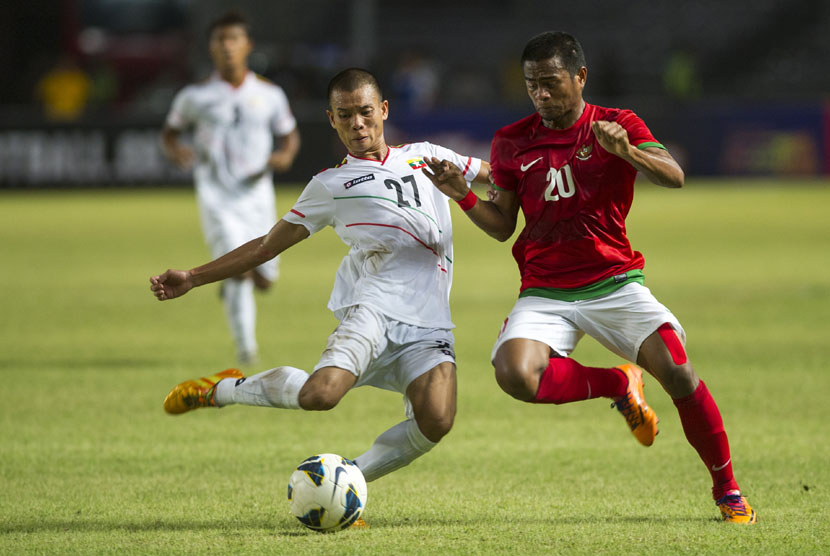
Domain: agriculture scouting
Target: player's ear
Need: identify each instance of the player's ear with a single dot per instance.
(582, 76)
(384, 109)
(330, 114)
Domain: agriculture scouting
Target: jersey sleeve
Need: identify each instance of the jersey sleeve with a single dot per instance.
(468, 165)
(283, 121)
(502, 176)
(314, 209)
(179, 116)
(638, 133)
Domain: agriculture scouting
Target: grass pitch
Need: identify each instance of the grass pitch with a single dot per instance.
(89, 463)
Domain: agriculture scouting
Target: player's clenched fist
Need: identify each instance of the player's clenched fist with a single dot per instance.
(612, 137)
(171, 284)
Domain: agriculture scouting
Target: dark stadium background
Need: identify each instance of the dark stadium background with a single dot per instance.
(732, 88)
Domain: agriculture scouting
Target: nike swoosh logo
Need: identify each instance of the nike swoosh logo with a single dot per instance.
(524, 167)
(716, 468)
(340, 469)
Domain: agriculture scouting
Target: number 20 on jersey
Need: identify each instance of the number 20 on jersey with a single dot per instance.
(560, 183)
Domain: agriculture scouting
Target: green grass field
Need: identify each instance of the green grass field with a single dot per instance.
(89, 463)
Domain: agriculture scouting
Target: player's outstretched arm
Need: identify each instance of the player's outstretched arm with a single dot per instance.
(497, 217)
(176, 283)
(657, 164)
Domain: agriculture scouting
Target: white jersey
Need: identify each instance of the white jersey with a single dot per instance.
(398, 227)
(233, 134)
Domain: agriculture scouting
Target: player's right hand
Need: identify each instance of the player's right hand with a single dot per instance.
(171, 284)
(446, 177)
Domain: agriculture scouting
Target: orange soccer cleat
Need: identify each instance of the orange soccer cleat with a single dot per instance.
(640, 417)
(735, 509)
(193, 394)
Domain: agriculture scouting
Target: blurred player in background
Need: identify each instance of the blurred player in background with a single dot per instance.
(391, 292)
(571, 167)
(235, 115)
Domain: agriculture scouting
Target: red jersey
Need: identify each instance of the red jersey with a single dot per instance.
(574, 196)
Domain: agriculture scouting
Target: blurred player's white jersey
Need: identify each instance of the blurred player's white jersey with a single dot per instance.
(233, 136)
(233, 129)
(398, 227)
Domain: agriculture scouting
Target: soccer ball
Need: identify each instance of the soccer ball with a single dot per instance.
(327, 492)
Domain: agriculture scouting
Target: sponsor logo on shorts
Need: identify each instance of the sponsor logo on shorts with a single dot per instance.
(361, 179)
(445, 348)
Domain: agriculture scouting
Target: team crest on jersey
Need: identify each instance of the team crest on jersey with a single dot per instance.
(416, 163)
(361, 179)
(584, 152)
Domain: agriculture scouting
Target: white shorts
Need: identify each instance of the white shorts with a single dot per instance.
(228, 225)
(383, 352)
(620, 321)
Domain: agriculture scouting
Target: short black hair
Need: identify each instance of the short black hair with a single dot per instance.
(229, 18)
(351, 79)
(555, 44)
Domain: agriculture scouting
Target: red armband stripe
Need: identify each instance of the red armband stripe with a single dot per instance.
(467, 167)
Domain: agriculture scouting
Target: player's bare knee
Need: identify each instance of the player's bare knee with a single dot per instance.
(318, 399)
(678, 381)
(686, 380)
(517, 381)
(437, 424)
(519, 365)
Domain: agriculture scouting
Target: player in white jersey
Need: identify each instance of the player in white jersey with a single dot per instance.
(391, 293)
(399, 231)
(234, 115)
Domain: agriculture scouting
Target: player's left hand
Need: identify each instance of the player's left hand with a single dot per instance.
(446, 177)
(612, 137)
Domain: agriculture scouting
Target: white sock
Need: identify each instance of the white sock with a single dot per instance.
(240, 308)
(279, 387)
(394, 449)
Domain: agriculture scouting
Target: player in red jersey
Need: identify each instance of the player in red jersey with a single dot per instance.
(571, 168)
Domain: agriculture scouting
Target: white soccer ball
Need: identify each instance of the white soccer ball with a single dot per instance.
(327, 492)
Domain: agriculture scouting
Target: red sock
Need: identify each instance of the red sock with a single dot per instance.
(704, 430)
(564, 380)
